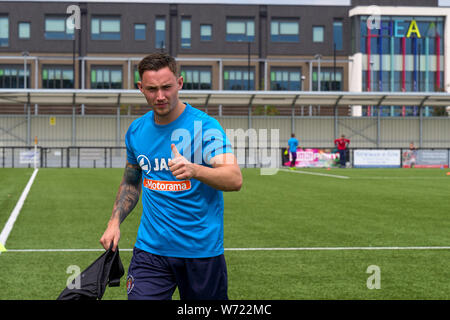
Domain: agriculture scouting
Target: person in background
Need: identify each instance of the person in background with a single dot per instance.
(292, 146)
(412, 154)
(342, 146)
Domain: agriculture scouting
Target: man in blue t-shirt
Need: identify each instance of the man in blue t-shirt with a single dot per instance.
(182, 160)
(292, 146)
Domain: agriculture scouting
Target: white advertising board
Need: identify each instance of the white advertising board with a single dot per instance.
(367, 158)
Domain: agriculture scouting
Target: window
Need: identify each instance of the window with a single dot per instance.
(105, 28)
(205, 32)
(160, 33)
(56, 29)
(139, 31)
(318, 33)
(185, 33)
(240, 30)
(381, 41)
(196, 78)
(4, 31)
(24, 30)
(338, 34)
(389, 42)
(104, 77)
(328, 80)
(239, 79)
(56, 77)
(11, 76)
(286, 79)
(284, 31)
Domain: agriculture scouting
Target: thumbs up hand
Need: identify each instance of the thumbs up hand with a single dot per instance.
(181, 167)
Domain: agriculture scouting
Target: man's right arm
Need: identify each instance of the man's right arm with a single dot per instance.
(126, 199)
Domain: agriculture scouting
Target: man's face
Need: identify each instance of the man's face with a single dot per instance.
(160, 89)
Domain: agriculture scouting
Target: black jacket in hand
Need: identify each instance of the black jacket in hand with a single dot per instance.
(107, 269)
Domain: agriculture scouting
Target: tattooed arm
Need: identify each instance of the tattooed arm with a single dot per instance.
(126, 199)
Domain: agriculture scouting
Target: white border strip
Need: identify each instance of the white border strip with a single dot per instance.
(346, 3)
(315, 173)
(255, 249)
(15, 213)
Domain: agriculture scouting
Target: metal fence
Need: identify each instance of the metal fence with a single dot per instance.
(112, 157)
(115, 157)
(63, 131)
(70, 157)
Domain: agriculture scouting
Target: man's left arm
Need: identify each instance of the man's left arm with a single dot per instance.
(225, 174)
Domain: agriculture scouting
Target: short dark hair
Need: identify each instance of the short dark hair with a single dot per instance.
(157, 61)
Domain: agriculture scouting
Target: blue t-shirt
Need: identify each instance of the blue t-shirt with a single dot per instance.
(181, 218)
(293, 144)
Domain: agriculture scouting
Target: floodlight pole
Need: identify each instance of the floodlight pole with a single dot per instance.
(25, 72)
(73, 57)
(248, 65)
(35, 152)
(318, 57)
(372, 62)
(25, 54)
(334, 68)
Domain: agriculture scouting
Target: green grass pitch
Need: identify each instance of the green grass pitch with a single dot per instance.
(69, 209)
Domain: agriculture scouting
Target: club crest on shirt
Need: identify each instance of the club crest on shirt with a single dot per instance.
(144, 163)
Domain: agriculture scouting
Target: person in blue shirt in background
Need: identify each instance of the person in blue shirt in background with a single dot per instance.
(292, 146)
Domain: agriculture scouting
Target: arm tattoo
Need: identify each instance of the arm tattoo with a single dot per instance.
(132, 175)
(129, 191)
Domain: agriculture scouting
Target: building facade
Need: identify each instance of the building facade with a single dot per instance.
(303, 45)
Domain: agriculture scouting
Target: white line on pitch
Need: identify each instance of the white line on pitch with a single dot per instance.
(62, 250)
(399, 178)
(15, 213)
(255, 249)
(315, 173)
(337, 248)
